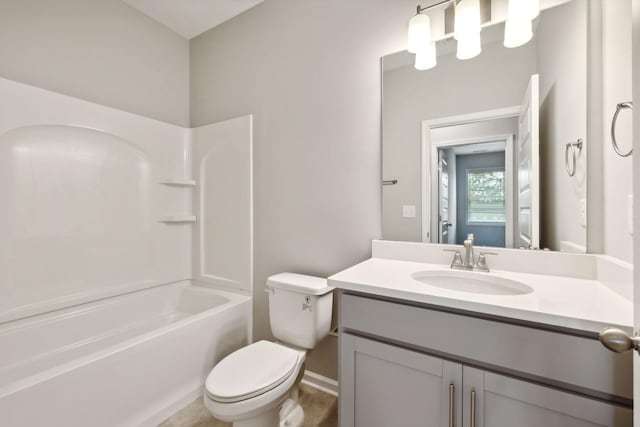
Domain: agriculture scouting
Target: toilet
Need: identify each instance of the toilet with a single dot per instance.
(257, 385)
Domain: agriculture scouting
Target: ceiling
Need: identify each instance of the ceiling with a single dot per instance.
(190, 18)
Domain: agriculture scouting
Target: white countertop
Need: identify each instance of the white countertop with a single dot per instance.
(560, 301)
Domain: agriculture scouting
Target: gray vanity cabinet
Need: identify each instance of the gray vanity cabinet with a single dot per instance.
(405, 366)
(391, 386)
(502, 401)
(383, 385)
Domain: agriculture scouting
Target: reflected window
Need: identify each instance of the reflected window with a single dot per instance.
(485, 196)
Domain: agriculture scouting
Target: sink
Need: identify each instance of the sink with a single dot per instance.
(473, 282)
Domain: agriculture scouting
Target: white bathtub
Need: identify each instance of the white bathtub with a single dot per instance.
(130, 360)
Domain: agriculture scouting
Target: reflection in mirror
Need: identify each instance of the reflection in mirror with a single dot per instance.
(478, 146)
(473, 165)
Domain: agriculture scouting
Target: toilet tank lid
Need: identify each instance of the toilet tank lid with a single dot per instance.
(299, 283)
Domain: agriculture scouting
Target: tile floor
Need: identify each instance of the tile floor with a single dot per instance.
(320, 410)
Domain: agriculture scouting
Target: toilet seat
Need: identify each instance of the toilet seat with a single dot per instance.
(251, 371)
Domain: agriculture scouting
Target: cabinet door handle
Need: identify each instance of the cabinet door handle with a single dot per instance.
(473, 408)
(451, 396)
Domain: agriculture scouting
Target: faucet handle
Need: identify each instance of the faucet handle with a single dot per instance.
(457, 258)
(482, 261)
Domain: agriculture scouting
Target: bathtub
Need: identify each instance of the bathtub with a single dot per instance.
(131, 360)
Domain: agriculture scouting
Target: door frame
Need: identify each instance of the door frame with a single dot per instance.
(429, 173)
(508, 178)
(635, 52)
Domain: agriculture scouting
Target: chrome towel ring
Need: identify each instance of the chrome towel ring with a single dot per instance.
(575, 148)
(619, 107)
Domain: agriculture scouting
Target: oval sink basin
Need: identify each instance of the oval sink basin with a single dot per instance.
(473, 282)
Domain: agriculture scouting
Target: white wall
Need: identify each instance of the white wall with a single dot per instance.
(309, 72)
(99, 50)
(561, 39)
(452, 88)
(618, 171)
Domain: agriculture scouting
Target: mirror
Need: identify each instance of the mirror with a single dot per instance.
(493, 145)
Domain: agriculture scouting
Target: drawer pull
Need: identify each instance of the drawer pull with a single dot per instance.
(473, 408)
(451, 396)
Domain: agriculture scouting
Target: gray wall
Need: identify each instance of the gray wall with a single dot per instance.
(617, 171)
(561, 40)
(99, 50)
(309, 71)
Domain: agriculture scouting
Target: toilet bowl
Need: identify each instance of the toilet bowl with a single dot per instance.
(253, 383)
(256, 386)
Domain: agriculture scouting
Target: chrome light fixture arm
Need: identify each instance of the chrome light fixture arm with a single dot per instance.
(421, 9)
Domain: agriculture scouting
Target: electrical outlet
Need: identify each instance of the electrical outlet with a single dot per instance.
(583, 212)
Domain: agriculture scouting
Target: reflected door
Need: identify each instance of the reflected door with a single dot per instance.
(481, 198)
(443, 169)
(528, 169)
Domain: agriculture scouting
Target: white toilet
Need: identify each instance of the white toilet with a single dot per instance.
(256, 386)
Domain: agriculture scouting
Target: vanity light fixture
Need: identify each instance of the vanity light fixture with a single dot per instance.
(518, 29)
(426, 58)
(419, 32)
(419, 38)
(466, 29)
(469, 47)
(419, 41)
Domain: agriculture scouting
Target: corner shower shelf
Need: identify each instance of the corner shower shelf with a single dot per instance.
(183, 182)
(169, 219)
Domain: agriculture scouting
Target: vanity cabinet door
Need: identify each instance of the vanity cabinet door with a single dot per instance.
(382, 385)
(502, 401)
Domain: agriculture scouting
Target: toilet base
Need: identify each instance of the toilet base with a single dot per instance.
(270, 418)
(291, 414)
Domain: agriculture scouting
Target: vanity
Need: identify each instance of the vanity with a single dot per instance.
(422, 344)
(504, 146)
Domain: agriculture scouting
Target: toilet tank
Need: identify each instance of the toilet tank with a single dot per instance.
(299, 308)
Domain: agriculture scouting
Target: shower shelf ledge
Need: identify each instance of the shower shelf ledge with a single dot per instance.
(178, 218)
(178, 181)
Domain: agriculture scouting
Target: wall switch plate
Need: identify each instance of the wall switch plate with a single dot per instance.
(630, 213)
(583, 213)
(408, 211)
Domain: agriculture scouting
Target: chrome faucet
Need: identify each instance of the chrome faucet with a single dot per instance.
(469, 258)
(469, 261)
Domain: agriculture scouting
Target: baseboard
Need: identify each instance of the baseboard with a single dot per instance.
(320, 382)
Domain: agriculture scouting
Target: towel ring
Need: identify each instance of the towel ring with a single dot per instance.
(619, 107)
(573, 146)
